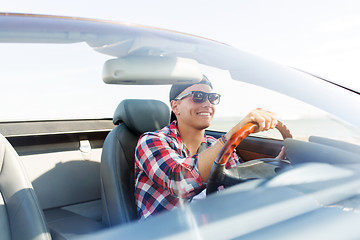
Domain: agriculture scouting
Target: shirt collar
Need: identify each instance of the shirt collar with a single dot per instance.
(174, 129)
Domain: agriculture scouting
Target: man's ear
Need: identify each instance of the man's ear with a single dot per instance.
(174, 106)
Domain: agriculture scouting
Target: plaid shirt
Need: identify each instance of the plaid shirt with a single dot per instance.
(165, 171)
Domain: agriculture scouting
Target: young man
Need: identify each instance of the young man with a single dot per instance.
(173, 164)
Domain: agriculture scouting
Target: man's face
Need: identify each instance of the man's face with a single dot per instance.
(195, 115)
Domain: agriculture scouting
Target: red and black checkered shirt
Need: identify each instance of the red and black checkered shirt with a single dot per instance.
(165, 172)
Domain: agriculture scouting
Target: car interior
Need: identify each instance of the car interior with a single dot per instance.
(111, 198)
(76, 188)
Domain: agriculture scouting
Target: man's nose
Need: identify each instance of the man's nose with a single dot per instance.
(207, 102)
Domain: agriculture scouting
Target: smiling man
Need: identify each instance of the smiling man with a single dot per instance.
(173, 164)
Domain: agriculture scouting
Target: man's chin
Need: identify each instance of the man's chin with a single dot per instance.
(202, 126)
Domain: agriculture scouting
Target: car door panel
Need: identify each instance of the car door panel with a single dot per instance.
(255, 147)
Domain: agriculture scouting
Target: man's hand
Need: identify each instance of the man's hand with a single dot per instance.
(265, 119)
(281, 155)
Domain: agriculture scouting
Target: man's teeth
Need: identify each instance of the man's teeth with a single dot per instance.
(204, 114)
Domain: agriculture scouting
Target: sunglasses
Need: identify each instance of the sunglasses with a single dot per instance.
(200, 97)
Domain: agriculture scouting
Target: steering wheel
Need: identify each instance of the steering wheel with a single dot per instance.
(260, 168)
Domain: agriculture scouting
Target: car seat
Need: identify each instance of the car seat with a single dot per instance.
(133, 117)
(21, 216)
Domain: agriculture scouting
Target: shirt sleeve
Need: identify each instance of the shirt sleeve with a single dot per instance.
(166, 167)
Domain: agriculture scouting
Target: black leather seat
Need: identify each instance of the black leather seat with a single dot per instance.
(20, 214)
(133, 117)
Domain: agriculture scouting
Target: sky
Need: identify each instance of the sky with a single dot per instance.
(318, 36)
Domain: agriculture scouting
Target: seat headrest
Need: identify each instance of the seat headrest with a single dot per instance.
(142, 115)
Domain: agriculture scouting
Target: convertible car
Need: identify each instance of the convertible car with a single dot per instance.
(77, 93)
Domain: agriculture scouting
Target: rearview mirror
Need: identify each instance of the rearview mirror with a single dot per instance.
(150, 70)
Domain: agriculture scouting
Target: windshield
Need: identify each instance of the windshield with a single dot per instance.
(42, 81)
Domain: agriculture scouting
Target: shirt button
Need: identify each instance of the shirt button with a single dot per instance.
(189, 167)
